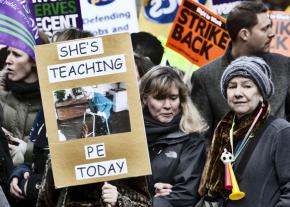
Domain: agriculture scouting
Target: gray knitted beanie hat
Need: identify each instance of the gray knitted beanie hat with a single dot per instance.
(254, 68)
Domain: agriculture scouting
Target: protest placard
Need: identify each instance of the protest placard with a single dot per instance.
(92, 110)
(281, 29)
(104, 17)
(197, 33)
(156, 17)
(54, 15)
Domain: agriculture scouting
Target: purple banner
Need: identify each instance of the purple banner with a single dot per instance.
(18, 26)
(55, 15)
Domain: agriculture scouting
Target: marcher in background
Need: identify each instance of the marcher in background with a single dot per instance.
(148, 52)
(251, 33)
(19, 98)
(173, 126)
(143, 65)
(258, 141)
(20, 101)
(147, 45)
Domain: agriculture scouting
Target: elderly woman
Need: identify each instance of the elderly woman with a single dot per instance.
(259, 143)
(173, 127)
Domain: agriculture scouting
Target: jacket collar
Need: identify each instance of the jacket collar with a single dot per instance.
(171, 138)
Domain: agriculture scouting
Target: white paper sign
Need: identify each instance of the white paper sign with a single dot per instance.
(114, 16)
(95, 151)
(80, 48)
(86, 68)
(101, 169)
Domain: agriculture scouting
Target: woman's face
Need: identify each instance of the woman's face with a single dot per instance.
(243, 96)
(165, 109)
(19, 66)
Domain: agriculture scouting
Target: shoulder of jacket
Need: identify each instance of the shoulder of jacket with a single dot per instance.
(3, 94)
(213, 65)
(273, 57)
(280, 123)
(196, 138)
(177, 134)
(7, 98)
(275, 126)
(192, 139)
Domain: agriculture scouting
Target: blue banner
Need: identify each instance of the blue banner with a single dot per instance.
(161, 11)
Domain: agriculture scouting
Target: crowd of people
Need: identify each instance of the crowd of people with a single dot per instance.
(237, 106)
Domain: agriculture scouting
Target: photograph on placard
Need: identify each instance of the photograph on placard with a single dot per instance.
(91, 111)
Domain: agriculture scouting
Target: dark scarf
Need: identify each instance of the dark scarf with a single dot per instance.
(155, 129)
(213, 174)
(23, 90)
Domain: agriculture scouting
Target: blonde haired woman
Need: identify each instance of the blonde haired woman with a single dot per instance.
(173, 127)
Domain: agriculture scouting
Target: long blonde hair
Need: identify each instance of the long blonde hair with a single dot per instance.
(157, 82)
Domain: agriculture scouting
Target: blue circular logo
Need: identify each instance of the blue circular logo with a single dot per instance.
(100, 2)
(161, 11)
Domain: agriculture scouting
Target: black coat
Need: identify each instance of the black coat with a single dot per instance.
(266, 178)
(177, 159)
(6, 164)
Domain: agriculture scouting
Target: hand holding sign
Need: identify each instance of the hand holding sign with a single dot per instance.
(109, 194)
(162, 189)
